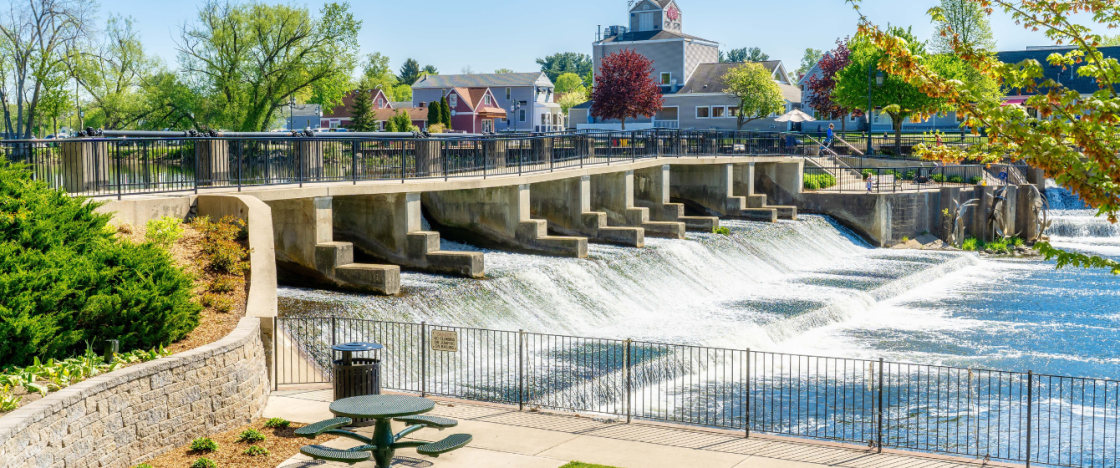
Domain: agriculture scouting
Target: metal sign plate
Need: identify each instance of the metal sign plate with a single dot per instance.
(445, 340)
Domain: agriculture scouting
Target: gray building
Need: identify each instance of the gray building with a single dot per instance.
(528, 98)
(688, 70)
(303, 117)
(880, 121)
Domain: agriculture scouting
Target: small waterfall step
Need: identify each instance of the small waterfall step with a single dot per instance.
(783, 212)
(336, 261)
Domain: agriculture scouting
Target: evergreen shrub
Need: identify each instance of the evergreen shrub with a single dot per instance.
(65, 280)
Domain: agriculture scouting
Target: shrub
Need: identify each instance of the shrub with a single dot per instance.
(204, 444)
(223, 285)
(819, 181)
(910, 175)
(437, 128)
(163, 231)
(204, 463)
(998, 247)
(975, 180)
(225, 255)
(251, 436)
(867, 173)
(939, 178)
(972, 244)
(143, 465)
(65, 279)
(722, 230)
(956, 179)
(1017, 241)
(277, 423)
(255, 450)
(905, 239)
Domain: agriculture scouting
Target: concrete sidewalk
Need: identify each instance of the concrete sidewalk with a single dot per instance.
(505, 437)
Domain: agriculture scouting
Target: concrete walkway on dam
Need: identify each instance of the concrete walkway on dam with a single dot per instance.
(505, 437)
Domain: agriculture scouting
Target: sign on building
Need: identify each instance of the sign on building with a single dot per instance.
(445, 340)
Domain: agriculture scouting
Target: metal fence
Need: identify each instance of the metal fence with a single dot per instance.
(122, 166)
(986, 414)
(836, 177)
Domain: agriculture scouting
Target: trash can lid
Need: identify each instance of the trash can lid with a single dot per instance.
(355, 347)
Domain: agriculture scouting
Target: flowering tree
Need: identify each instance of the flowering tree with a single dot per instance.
(1073, 139)
(624, 88)
(822, 85)
(759, 96)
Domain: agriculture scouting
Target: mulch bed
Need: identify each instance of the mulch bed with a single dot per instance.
(281, 444)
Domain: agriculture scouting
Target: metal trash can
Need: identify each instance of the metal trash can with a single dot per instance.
(356, 376)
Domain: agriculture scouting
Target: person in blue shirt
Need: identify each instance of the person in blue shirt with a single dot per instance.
(828, 139)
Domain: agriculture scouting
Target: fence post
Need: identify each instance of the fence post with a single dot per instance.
(299, 160)
(334, 327)
(1030, 412)
(354, 160)
(747, 411)
(626, 363)
(240, 144)
(520, 370)
(195, 178)
(880, 441)
(423, 358)
(403, 159)
(276, 353)
(117, 146)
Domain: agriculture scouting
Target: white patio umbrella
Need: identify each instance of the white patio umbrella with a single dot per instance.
(795, 116)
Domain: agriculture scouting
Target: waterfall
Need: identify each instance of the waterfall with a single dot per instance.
(1075, 225)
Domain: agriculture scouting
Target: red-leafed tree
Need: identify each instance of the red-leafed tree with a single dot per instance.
(624, 88)
(821, 86)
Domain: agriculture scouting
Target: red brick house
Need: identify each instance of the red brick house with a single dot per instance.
(382, 107)
(474, 110)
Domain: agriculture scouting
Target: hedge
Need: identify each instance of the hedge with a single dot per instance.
(66, 282)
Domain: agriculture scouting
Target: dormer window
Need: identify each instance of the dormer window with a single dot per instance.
(454, 100)
(488, 101)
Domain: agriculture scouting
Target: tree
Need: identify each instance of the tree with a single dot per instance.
(966, 20)
(745, 54)
(898, 98)
(566, 62)
(36, 37)
(1073, 139)
(573, 98)
(363, 119)
(821, 86)
(445, 112)
(759, 96)
(114, 74)
(402, 93)
(1110, 41)
(434, 113)
(624, 88)
(569, 82)
(376, 74)
(410, 72)
(466, 70)
(428, 70)
(811, 57)
(503, 71)
(249, 59)
(400, 122)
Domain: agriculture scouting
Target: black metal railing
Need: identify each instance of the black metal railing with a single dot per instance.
(834, 176)
(120, 166)
(979, 413)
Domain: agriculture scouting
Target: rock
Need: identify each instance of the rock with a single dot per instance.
(926, 239)
(908, 245)
(935, 245)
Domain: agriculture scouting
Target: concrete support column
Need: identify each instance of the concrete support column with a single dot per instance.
(950, 201)
(498, 217)
(1010, 210)
(307, 254)
(85, 166)
(212, 162)
(710, 188)
(389, 227)
(428, 157)
(496, 153)
(1026, 218)
(613, 194)
(309, 153)
(651, 190)
(566, 204)
(979, 224)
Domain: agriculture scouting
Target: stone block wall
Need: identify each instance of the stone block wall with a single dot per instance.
(136, 413)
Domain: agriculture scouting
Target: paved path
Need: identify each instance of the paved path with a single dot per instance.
(504, 437)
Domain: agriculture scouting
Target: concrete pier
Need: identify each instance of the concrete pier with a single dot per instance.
(613, 194)
(388, 227)
(710, 188)
(566, 204)
(749, 175)
(498, 216)
(306, 250)
(85, 165)
(651, 190)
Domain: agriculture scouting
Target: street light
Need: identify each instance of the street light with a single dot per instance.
(870, 107)
(516, 108)
(291, 113)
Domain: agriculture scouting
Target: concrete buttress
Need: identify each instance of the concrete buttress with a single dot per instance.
(566, 204)
(613, 194)
(651, 190)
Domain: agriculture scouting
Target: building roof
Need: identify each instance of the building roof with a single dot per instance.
(485, 80)
(343, 110)
(1067, 77)
(472, 96)
(708, 77)
(651, 36)
(586, 105)
(414, 113)
(401, 104)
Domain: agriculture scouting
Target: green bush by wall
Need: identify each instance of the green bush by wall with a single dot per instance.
(65, 280)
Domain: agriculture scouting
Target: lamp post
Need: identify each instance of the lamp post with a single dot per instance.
(516, 108)
(873, 81)
(291, 113)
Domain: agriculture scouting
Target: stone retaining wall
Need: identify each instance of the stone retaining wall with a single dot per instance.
(139, 412)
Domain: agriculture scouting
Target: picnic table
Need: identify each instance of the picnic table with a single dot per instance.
(383, 409)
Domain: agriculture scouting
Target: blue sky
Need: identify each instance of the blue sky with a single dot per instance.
(491, 34)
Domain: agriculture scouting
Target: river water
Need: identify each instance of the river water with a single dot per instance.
(802, 287)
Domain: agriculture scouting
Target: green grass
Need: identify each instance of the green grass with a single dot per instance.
(722, 230)
(584, 465)
(972, 244)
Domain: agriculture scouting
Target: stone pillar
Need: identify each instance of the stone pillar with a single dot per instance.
(542, 149)
(651, 190)
(86, 166)
(613, 194)
(428, 158)
(566, 204)
(496, 153)
(979, 225)
(212, 164)
(948, 196)
(1026, 219)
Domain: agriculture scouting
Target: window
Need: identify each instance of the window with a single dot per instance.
(851, 117)
(521, 117)
(877, 115)
(454, 100)
(666, 78)
(380, 103)
(733, 111)
(487, 126)
(509, 93)
(718, 112)
(489, 102)
(645, 21)
(703, 113)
